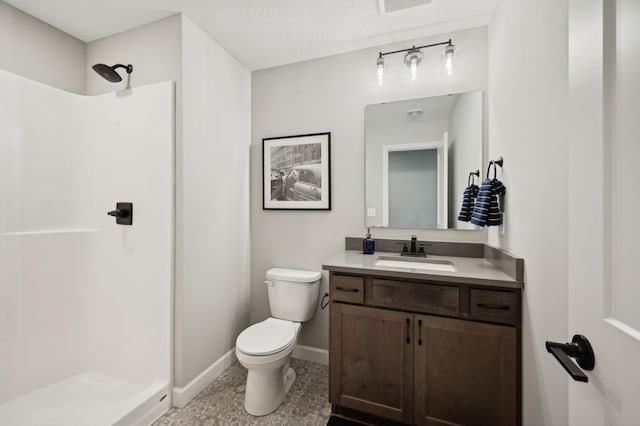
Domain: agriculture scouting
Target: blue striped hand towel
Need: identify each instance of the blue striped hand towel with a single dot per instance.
(487, 211)
(468, 201)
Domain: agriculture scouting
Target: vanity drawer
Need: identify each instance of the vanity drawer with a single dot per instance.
(347, 289)
(492, 305)
(416, 297)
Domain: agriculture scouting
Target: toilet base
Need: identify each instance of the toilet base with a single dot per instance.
(257, 402)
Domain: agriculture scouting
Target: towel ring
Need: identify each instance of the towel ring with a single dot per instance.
(489, 170)
(493, 163)
(470, 180)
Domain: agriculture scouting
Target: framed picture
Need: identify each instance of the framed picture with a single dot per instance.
(296, 172)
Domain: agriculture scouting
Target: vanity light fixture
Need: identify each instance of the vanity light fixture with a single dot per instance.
(413, 58)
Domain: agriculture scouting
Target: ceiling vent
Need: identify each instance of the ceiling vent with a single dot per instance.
(390, 6)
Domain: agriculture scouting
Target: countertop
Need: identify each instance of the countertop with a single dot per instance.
(469, 270)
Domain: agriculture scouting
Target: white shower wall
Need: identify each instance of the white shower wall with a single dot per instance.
(79, 293)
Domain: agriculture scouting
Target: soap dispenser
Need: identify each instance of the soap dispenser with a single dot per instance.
(368, 245)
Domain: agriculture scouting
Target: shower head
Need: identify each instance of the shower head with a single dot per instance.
(110, 73)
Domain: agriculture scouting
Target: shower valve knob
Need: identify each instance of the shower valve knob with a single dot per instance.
(123, 213)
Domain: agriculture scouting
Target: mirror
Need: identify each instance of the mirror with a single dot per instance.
(418, 156)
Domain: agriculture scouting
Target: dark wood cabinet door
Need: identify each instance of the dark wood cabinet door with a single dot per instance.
(465, 373)
(371, 361)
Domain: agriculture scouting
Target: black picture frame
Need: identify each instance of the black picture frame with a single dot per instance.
(296, 172)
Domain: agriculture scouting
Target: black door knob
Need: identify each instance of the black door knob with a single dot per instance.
(123, 213)
(580, 349)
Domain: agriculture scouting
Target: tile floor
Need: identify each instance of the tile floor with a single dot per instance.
(221, 403)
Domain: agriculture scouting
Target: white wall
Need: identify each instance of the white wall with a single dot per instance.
(330, 94)
(212, 289)
(528, 96)
(36, 50)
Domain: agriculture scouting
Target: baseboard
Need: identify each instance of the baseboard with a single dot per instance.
(311, 354)
(182, 396)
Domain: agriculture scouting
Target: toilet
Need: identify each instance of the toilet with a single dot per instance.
(265, 347)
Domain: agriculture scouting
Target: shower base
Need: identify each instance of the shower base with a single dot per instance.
(88, 399)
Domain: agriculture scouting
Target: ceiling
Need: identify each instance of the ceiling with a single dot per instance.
(268, 33)
(394, 113)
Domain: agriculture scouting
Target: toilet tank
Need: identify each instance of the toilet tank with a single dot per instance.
(293, 293)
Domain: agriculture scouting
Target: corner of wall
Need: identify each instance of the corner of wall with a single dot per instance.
(36, 50)
(214, 165)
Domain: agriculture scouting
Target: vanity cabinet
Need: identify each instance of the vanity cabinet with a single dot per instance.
(464, 373)
(425, 353)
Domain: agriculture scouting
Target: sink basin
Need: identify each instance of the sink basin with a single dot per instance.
(415, 263)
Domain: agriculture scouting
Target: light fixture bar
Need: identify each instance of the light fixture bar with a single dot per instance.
(449, 43)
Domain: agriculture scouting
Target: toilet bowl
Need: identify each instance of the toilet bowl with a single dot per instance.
(264, 348)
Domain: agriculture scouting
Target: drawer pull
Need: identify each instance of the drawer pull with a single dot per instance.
(419, 332)
(494, 306)
(408, 330)
(353, 290)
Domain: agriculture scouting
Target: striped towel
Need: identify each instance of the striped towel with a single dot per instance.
(468, 201)
(487, 211)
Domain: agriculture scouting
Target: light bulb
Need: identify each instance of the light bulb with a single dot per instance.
(380, 66)
(412, 59)
(449, 51)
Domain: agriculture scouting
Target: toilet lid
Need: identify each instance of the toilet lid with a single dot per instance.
(266, 337)
(295, 275)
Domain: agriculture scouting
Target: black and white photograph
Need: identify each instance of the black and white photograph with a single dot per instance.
(296, 172)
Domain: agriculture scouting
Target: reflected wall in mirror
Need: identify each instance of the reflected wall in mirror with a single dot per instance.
(418, 155)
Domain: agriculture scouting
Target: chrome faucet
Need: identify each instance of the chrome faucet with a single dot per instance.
(413, 252)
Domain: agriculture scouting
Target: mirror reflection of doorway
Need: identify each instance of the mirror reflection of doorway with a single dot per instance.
(414, 182)
(413, 189)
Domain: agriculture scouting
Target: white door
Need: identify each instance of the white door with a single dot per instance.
(604, 207)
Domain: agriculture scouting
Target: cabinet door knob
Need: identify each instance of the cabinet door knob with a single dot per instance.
(419, 332)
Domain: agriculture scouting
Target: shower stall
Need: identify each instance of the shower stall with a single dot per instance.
(85, 303)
